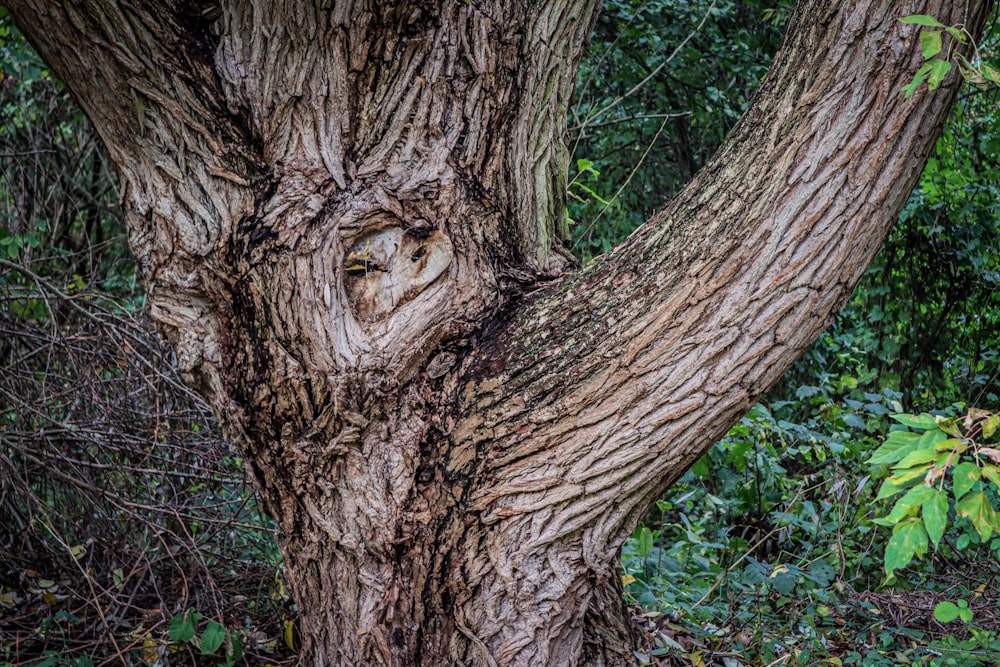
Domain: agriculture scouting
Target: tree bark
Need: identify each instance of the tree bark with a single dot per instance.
(348, 216)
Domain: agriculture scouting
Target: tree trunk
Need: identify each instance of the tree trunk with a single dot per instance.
(349, 216)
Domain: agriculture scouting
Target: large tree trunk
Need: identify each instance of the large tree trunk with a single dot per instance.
(349, 215)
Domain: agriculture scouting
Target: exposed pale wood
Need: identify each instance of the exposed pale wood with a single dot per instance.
(336, 207)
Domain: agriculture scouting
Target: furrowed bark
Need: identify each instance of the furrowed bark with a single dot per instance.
(348, 219)
(612, 382)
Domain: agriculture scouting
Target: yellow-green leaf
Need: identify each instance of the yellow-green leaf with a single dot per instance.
(964, 477)
(977, 509)
(994, 76)
(991, 423)
(909, 539)
(912, 500)
(922, 19)
(930, 43)
(901, 481)
(939, 70)
(951, 445)
(921, 456)
(934, 512)
(922, 421)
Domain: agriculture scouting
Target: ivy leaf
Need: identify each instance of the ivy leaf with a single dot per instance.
(909, 539)
(922, 19)
(964, 477)
(934, 512)
(978, 510)
(939, 70)
(930, 43)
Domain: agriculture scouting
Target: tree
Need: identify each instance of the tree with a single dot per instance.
(349, 220)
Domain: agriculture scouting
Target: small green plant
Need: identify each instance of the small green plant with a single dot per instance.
(585, 171)
(936, 66)
(948, 611)
(922, 454)
(184, 629)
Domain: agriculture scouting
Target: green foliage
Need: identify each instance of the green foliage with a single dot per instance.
(948, 611)
(58, 199)
(184, 629)
(921, 458)
(937, 67)
(924, 321)
(663, 83)
(785, 491)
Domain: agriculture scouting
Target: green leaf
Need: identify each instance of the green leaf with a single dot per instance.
(991, 423)
(951, 445)
(930, 439)
(977, 509)
(930, 43)
(964, 477)
(914, 498)
(901, 481)
(992, 473)
(939, 70)
(182, 626)
(934, 512)
(920, 456)
(991, 74)
(234, 652)
(922, 19)
(922, 421)
(945, 612)
(896, 446)
(212, 638)
(909, 539)
(645, 541)
(957, 34)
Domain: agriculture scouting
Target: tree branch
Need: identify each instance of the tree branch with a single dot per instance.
(608, 384)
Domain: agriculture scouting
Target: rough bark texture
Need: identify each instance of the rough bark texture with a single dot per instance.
(347, 215)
